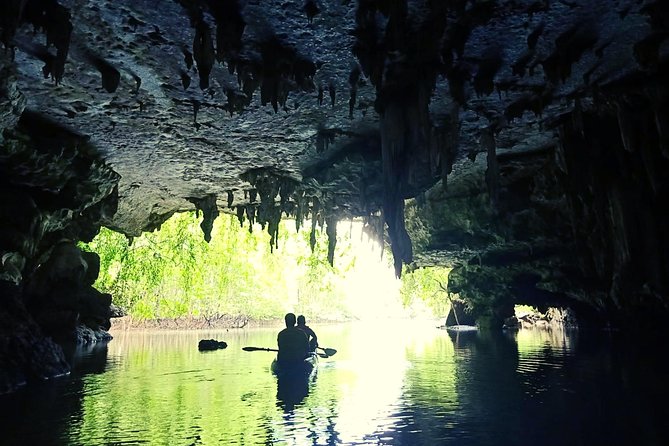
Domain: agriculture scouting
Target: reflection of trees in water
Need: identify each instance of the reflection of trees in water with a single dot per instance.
(556, 337)
(472, 388)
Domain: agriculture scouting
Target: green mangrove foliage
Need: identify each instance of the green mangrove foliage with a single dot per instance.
(426, 286)
(173, 272)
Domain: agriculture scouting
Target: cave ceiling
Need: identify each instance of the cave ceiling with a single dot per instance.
(359, 102)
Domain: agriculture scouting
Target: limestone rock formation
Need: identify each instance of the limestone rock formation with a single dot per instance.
(531, 138)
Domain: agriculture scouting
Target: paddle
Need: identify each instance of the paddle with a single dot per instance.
(328, 351)
(259, 349)
(263, 349)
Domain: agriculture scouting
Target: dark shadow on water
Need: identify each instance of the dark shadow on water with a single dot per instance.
(292, 390)
(463, 339)
(56, 403)
(85, 359)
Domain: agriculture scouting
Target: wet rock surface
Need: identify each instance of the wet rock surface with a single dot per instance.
(25, 352)
(532, 137)
(55, 190)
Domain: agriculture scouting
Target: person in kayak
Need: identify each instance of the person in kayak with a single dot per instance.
(293, 342)
(311, 335)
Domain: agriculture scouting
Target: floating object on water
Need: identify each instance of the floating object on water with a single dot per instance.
(458, 328)
(211, 344)
(461, 328)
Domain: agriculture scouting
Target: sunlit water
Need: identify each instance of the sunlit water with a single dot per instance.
(389, 384)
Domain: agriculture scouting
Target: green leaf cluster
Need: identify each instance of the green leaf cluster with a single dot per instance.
(426, 287)
(173, 272)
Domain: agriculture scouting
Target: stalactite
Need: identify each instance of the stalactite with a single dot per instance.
(188, 57)
(111, 77)
(273, 227)
(185, 79)
(381, 232)
(393, 141)
(490, 63)
(54, 19)
(315, 212)
(230, 26)
(492, 171)
(209, 210)
(301, 208)
(331, 231)
(569, 47)
(240, 214)
(282, 70)
(251, 216)
(203, 52)
(286, 190)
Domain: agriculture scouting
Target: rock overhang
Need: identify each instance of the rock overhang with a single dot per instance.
(533, 134)
(185, 98)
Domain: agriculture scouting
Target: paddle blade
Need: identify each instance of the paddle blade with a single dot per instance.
(329, 351)
(259, 349)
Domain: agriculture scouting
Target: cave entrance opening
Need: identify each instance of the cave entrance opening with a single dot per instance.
(173, 273)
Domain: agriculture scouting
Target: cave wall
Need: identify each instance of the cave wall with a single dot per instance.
(579, 224)
(54, 191)
(613, 164)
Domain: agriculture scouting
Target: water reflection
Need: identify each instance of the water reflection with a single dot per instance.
(397, 384)
(292, 390)
(85, 359)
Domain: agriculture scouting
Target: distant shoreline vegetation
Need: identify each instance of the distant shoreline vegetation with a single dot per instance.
(220, 322)
(174, 275)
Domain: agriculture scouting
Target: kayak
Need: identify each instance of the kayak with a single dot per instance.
(293, 379)
(298, 369)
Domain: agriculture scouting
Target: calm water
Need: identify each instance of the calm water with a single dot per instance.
(399, 384)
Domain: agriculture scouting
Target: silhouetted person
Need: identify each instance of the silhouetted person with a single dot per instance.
(293, 342)
(311, 335)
